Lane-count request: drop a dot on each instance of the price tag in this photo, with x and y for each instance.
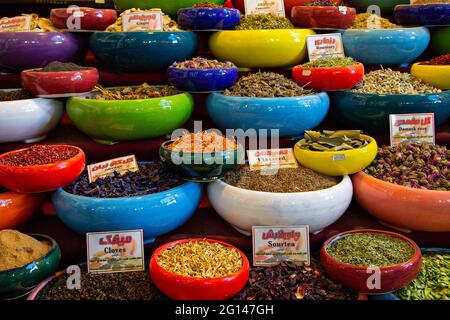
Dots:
(144, 21)
(275, 244)
(107, 168)
(271, 158)
(15, 24)
(264, 7)
(115, 251)
(325, 46)
(407, 128)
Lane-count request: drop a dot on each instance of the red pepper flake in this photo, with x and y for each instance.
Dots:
(39, 155)
(443, 60)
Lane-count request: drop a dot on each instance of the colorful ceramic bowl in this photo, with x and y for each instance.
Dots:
(27, 50)
(124, 51)
(208, 18)
(433, 14)
(329, 79)
(155, 214)
(261, 48)
(370, 112)
(59, 84)
(403, 207)
(323, 16)
(246, 208)
(201, 166)
(386, 6)
(337, 163)
(399, 46)
(109, 121)
(179, 287)
(20, 281)
(82, 18)
(16, 209)
(440, 43)
(357, 277)
(42, 178)
(438, 76)
(202, 79)
(169, 7)
(29, 120)
(291, 116)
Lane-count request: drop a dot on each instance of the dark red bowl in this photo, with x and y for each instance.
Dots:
(329, 79)
(90, 18)
(356, 277)
(42, 178)
(323, 16)
(59, 84)
(186, 288)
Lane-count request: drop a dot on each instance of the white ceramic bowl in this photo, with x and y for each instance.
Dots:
(29, 120)
(246, 208)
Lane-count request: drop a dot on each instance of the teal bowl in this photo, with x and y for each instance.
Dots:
(386, 6)
(440, 40)
(169, 7)
(201, 167)
(20, 281)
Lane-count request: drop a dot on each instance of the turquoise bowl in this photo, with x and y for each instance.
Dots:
(169, 7)
(142, 51)
(20, 281)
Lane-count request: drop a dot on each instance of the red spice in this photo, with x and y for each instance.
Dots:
(443, 60)
(38, 155)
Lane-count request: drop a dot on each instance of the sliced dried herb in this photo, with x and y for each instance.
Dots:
(333, 140)
(14, 95)
(330, 63)
(264, 21)
(144, 91)
(372, 21)
(202, 142)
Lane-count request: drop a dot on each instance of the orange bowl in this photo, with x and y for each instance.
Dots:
(17, 208)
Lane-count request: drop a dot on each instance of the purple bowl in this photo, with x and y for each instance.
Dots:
(437, 14)
(202, 79)
(28, 50)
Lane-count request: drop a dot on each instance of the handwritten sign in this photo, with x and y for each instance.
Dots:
(275, 244)
(15, 24)
(264, 7)
(115, 251)
(144, 21)
(325, 46)
(107, 168)
(405, 128)
(278, 158)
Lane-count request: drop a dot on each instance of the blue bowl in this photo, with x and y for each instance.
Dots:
(202, 79)
(142, 51)
(386, 46)
(370, 112)
(208, 18)
(423, 14)
(291, 116)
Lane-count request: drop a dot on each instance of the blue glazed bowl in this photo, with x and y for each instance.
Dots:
(142, 51)
(202, 79)
(423, 14)
(208, 18)
(291, 115)
(386, 46)
(370, 112)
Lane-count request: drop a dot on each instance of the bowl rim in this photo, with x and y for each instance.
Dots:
(261, 31)
(434, 66)
(36, 72)
(334, 7)
(85, 9)
(245, 262)
(171, 67)
(164, 147)
(399, 29)
(353, 66)
(207, 9)
(372, 142)
(420, 5)
(314, 94)
(102, 33)
(396, 95)
(54, 248)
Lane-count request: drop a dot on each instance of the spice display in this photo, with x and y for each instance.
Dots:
(330, 63)
(168, 24)
(144, 91)
(14, 95)
(285, 180)
(264, 21)
(37, 24)
(266, 85)
(202, 142)
(289, 281)
(202, 63)
(201, 259)
(151, 178)
(206, 5)
(18, 249)
(372, 21)
(433, 281)
(423, 166)
(371, 249)
(387, 81)
(333, 140)
(57, 66)
(443, 60)
(38, 155)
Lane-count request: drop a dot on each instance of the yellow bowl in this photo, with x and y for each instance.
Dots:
(438, 76)
(337, 163)
(261, 48)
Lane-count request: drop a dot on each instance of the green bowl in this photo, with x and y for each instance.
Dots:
(440, 40)
(200, 167)
(386, 6)
(110, 121)
(169, 7)
(18, 282)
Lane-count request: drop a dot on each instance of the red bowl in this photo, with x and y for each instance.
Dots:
(356, 277)
(17, 208)
(328, 79)
(186, 288)
(42, 178)
(60, 83)
(323, 17)
(91, 18)
(288, 4)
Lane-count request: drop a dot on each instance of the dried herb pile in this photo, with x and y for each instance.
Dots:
(443, 60)
(38, 155)
(202, 63)
(14, 95)
(144, 91)
(202, 142)
(372, 21)
(321, 3)
(330, 63)
(264, 21)
(57, 66)
(333, 140)
(206, 5)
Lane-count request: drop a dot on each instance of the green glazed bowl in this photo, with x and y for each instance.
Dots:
(110, 121)
(386, 6)
(169, 7)
(18, 282)
(440, 40)
(200, 167)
